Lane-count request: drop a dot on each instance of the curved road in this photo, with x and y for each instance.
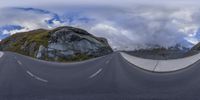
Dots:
(106, 78)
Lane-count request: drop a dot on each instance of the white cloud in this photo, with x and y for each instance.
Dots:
(118, 38)
(29, 19)
(192, 40)
(15, 31)
(125, 28)
(124, 3)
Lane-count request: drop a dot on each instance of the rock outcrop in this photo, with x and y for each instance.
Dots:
(60, 44)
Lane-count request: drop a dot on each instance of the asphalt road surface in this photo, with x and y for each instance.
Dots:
(106, 78)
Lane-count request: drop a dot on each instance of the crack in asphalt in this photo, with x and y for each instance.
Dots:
(154, 69)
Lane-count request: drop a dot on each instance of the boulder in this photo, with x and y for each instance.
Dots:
(41, 52)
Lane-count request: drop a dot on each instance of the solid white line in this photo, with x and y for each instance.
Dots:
(96, 73)
(36, 77)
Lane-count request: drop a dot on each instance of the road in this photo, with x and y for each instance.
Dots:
(109, 77)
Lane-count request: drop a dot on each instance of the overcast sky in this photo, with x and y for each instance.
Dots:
(127, 24)
(11, 3)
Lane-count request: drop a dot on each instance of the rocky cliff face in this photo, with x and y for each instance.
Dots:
(60, 44)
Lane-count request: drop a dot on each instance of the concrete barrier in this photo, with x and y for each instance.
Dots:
(146, 64)
(162, 65)
(176, 64)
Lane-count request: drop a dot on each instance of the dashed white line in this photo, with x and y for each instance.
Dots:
(19, 62)
(36, 77)
(1, 54)
(107, 61)
(96, 73)
(40, 79)
(30, 73)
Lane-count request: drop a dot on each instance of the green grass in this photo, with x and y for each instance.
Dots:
(16, 43)
(40, 37)
(79, 57)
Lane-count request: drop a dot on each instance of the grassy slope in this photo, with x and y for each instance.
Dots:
(15, 42)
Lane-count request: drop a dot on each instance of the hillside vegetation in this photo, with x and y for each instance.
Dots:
(60, 44)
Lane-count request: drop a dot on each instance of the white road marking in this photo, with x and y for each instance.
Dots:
(19, 62)
(36, 77)
(1, 54)
(40, 79)
(30, 73)
(107, 61)
(96, 73)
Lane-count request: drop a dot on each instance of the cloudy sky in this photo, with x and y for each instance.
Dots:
(6, 3)
(127, 25)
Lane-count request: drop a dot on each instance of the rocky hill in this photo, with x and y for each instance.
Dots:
(60, 44)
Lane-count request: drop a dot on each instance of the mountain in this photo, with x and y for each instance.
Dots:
(59, 44)
(196, 47)
(161, 53)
